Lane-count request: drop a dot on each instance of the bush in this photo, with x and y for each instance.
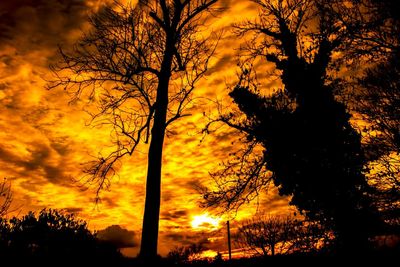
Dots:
(52, 235)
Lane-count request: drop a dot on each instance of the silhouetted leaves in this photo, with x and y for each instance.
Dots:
(186, 254)
(51, 236)
(308, 144)
(378, 100)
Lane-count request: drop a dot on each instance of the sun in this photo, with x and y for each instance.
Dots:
(205, 222)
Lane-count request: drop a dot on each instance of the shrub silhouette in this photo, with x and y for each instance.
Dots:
(185, 254)
(49, 235)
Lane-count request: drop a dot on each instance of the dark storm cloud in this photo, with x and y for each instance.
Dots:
(33, 145)
(118, 236)
(173, 215)
(61, 145)
(39, 162)
(188, 238)
(73, 210)
(225, 60)
(176, 237)
(7, 155)
(40, 22)
(194, 186)
(109, 202)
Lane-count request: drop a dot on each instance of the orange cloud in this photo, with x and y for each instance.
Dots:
(45, 140)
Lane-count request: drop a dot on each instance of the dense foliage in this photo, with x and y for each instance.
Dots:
(51, 236)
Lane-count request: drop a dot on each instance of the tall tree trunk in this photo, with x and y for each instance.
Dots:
(272, 249)
(148, 248)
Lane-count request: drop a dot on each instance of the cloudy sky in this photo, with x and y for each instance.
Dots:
(45, 139)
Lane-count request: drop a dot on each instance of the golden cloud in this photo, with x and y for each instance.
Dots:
(45, 139)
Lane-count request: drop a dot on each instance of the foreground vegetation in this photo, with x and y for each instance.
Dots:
(55, 237)
(50, 237)
(299, 136)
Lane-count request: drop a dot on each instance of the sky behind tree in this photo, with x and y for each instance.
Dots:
(46, 139)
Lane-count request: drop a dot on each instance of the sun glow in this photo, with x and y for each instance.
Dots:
(208, 254)
(205, 222)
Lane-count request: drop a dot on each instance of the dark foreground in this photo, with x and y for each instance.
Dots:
(376, 258)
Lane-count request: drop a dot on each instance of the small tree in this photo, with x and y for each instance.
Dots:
(274, 235)
(50, 235)
(141, 63)
(267, 235)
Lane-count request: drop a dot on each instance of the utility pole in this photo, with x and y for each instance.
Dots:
(229, 240)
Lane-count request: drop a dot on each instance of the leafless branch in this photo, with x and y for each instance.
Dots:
(5, 197)
(118, 66)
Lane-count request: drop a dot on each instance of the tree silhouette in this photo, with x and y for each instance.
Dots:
(142, 63)
(300, 136)
(266, 236)
(52, 235)
(272, 235)
(380, 104)
(378, 100)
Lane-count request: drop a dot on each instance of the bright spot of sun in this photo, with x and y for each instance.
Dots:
(208, 254)
(205, 222)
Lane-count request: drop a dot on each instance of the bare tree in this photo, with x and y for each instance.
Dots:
(272, 235)
(141, 64)
(380, 39)
(5, 197)
(266, 235)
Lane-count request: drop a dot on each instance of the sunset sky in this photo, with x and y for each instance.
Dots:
(45, 139)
